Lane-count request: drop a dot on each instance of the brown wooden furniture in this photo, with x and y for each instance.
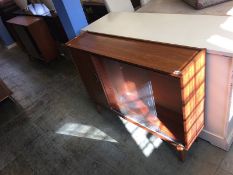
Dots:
(33, 35)
(4, 91)
(159, 87)
(51, 19)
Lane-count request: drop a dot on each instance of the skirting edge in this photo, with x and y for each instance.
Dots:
(216, 140)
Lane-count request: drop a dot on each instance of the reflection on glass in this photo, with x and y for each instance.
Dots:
(39, 9)
(161, 104)
(138, 105)
(131, 93)
(145, 141)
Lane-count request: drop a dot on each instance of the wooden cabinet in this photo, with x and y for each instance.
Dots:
(33, 35)
(51, 19)
(156, 86)
(4, 91)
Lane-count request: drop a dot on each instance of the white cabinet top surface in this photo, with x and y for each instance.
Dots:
(203, 31)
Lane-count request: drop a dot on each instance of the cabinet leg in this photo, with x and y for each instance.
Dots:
(182, 155)
(182, 152)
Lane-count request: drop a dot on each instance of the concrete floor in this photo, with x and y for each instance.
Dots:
(53, 128)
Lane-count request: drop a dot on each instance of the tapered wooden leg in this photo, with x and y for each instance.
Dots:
(182, 155)
(182, 152)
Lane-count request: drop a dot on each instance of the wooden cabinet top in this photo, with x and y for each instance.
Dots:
(160, 57)
(23, 20)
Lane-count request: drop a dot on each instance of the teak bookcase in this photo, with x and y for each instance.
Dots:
(159, 87)
(32, 34)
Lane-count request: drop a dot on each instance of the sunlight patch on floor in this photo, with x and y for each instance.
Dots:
(84, 131)
(146, 142)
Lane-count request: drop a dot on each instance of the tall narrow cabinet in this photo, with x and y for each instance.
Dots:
(33, 35)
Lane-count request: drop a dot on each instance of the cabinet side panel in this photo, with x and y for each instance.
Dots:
(43, 39)
(26, 40)
(193, 94)
(88, 74)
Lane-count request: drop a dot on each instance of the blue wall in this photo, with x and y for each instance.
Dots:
(71, 15)
(4, 35)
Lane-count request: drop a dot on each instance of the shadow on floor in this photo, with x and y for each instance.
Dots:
(9, 109)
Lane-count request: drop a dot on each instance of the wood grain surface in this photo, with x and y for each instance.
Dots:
(160, 57)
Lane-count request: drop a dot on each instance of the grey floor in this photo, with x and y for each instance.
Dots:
(53, 128)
